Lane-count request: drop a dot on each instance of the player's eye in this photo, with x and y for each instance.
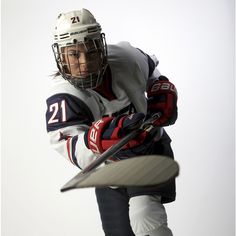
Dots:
(74, 53)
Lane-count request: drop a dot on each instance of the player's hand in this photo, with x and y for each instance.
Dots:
(107, 131)
(162, 97)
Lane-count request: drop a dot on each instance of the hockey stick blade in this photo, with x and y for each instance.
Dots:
(137, 171)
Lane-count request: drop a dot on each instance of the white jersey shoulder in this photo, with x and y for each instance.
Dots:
(130, 70)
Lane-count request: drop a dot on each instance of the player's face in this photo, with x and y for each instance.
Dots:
(82, 59)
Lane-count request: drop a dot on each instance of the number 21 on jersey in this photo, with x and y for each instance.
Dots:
(56, 109)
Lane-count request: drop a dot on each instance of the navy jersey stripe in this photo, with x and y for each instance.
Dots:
(73, 145)
(151, 65)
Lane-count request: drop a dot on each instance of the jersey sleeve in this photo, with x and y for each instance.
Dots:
(67, 118)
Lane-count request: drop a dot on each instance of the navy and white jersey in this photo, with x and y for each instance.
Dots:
(70, 111)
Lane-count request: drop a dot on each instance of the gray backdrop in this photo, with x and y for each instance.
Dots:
(194, 41)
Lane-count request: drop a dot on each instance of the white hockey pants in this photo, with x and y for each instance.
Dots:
(148, 216)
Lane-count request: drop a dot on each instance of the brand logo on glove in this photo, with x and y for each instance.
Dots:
(93, 136)
(163, 86)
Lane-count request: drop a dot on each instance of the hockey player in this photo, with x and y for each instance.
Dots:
(99, 94)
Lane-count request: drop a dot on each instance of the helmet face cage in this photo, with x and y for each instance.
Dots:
(90, 69)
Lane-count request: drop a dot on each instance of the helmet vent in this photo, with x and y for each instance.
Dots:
(93, 29)
(64, 36)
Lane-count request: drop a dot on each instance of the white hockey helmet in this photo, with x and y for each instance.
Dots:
(79, 29)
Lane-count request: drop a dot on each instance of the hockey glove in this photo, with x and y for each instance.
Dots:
(107, 131)
(162, 97)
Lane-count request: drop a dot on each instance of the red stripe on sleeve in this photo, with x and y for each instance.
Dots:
(68, 146)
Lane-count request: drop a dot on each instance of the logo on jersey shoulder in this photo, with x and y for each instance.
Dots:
(64, 136)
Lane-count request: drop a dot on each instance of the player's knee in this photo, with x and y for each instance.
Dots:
(148, 216)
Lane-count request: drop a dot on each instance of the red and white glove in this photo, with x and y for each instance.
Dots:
(162, 97)
(107, 131)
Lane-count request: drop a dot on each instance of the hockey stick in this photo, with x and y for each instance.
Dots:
(148, 170)
(84, 174)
